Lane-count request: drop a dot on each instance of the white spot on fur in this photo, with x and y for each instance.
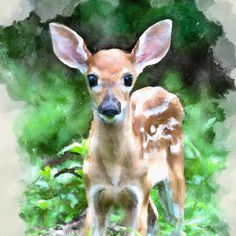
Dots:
(97, 88)
(172, 122)
(124, 70)
(125, 89)
(153, 128)
(145, 144)
(142, 129)
(149, 96)
(175, 148)
(159, 131)
(139, 107)
(156, 110)
(121, 117)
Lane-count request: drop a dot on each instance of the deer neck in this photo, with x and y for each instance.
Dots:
(114, 141)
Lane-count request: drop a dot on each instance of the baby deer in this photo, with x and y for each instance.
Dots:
(135, 142)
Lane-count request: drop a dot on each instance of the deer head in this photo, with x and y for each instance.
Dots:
(111, 73)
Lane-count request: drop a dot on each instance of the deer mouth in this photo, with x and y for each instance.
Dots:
(107, 118)
(109, 115)
(111, 119)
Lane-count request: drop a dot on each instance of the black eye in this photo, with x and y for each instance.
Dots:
(92, 80)
(128, 80)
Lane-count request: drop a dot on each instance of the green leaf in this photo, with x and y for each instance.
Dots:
(43, 204)
(197, 179)
(65, 178)
(210, 123)
(79, 148)
(46, 173)
(73, 199)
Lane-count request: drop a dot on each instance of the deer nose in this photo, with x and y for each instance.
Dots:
(110, 106)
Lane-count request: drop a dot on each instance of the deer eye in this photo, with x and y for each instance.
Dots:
(92, 80)
(128, 80)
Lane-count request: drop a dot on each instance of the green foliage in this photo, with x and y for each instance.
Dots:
(51, 201)
(57, 106)
(79, 148)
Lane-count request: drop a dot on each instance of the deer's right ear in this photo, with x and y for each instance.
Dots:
(69, 47)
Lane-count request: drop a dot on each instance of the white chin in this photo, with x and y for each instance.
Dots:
(113, 119)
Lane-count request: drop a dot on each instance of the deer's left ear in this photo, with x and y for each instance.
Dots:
(152, 46)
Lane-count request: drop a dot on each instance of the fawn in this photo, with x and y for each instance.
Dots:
(135, 142)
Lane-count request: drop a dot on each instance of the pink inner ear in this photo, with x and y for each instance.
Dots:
(66, 45)
(154, 48)
(69, 47)
(152, 45)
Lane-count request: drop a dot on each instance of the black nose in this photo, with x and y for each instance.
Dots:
(110, 111)
(110, 106)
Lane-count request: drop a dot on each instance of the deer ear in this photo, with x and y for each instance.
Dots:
(152, 46)
(69, 47)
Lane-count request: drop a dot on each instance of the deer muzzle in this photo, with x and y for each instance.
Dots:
(110, 106)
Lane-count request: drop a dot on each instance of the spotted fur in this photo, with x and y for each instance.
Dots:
(157, 118)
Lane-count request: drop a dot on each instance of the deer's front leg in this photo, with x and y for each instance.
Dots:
(133, 201)
(98, 208)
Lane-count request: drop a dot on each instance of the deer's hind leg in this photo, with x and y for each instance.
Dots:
(152, 218)
(172, 191)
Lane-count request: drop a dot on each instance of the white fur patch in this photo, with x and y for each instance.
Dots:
(139, 107)
(175, 148)
(159, 132)
(97, 89)
(156, 110)
(153, 128)
(120, 118)
(142, 129)
(124, 88)
(172, 122)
